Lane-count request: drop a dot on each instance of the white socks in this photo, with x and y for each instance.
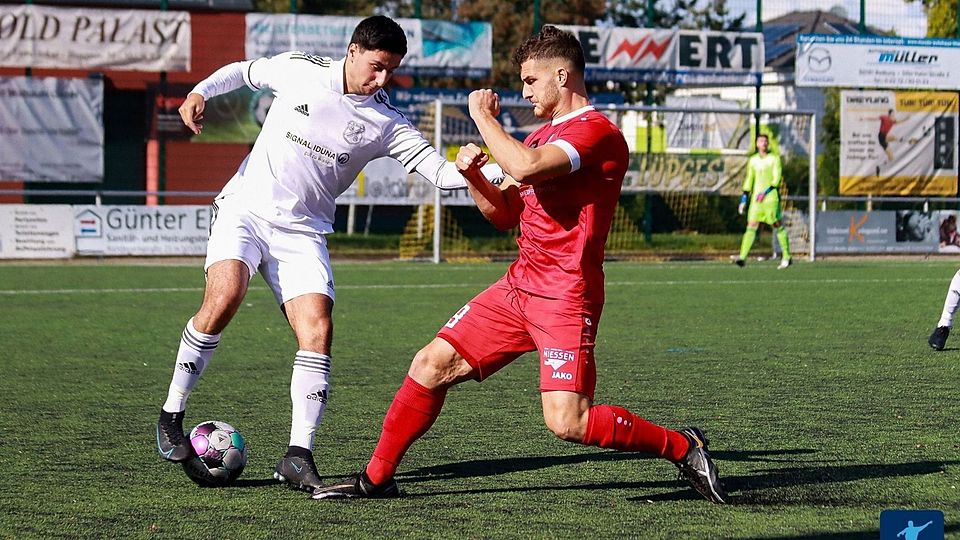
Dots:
(309, 384)
(309, 387)
(196, 349)
(950, 304)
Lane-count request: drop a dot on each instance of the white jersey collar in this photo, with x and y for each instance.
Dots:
(570, 115)
(336, 80)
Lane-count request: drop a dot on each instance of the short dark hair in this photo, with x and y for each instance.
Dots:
(380, 33)
(764, 135)
(551, 42)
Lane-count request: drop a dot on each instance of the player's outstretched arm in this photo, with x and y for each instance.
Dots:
(435, 169)
(526, 165)
(500, 205)
(191, 112)
(221, 81)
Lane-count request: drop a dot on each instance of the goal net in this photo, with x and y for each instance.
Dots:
(679, 197)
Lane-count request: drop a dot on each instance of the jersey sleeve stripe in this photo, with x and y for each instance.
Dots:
(571, 153)
(381, 98)
(247, 76)
(407, 164)
(321, 61)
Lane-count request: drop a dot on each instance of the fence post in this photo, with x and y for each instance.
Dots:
(438, 142)
(812, 189)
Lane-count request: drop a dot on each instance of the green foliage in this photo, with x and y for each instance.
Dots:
(828, 160)
(823, 405)
(942, 19)
(691, 14)
(512, 22)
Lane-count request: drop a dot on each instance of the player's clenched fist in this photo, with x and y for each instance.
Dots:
(191, 112)
(471, 156)
(484, 101)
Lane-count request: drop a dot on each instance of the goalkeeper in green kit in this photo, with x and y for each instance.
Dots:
(761, 192)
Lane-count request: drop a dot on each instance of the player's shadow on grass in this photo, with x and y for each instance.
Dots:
(743, 489)
(491, 467)
(750, 489)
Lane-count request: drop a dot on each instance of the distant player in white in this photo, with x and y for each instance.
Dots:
(329, 118)
(938, 339)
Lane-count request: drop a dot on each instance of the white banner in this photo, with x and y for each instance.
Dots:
(898, 143)
(51, 129)
(877, 61)
(36, 231)
(87, 38)
(385, 182)
(434, 47)
(670, 56)
(141, 230)
(700, 130)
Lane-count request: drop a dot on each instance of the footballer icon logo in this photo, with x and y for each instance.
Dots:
(819, 60)
(354, 132)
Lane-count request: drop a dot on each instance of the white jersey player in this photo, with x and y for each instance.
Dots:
(316, 139)
(938, 339)
(328, 120)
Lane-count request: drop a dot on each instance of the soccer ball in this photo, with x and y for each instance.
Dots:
(221, 454)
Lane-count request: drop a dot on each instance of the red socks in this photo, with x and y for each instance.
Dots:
(609, 426)
(413, 411)
(415, 408)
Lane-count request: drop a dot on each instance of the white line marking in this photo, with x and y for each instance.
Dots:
(647, 283)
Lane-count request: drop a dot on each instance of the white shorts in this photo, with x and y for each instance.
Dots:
(293, 263)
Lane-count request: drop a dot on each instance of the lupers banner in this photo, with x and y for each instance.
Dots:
(898, 143)
(442, 48)
(670, 56)
(877, 61)
(708, 173)
(51, 129)
(87, 38)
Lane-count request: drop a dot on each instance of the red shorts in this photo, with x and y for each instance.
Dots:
(502, 323)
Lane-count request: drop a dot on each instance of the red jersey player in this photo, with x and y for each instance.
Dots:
(565, 184)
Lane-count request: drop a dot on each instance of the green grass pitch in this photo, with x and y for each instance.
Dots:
(822, 400)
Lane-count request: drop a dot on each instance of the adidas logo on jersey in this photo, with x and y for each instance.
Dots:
(302, 109)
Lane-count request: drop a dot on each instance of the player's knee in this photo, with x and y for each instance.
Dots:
(316, 337)
(215, 314)
(434, 369)
(566, 427)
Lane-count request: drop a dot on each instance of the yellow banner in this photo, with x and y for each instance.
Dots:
(940, 186)
(898, 143)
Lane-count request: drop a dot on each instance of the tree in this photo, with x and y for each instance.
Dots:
(687, 14)
(941, 17)
(828, 163)
(512, 22)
